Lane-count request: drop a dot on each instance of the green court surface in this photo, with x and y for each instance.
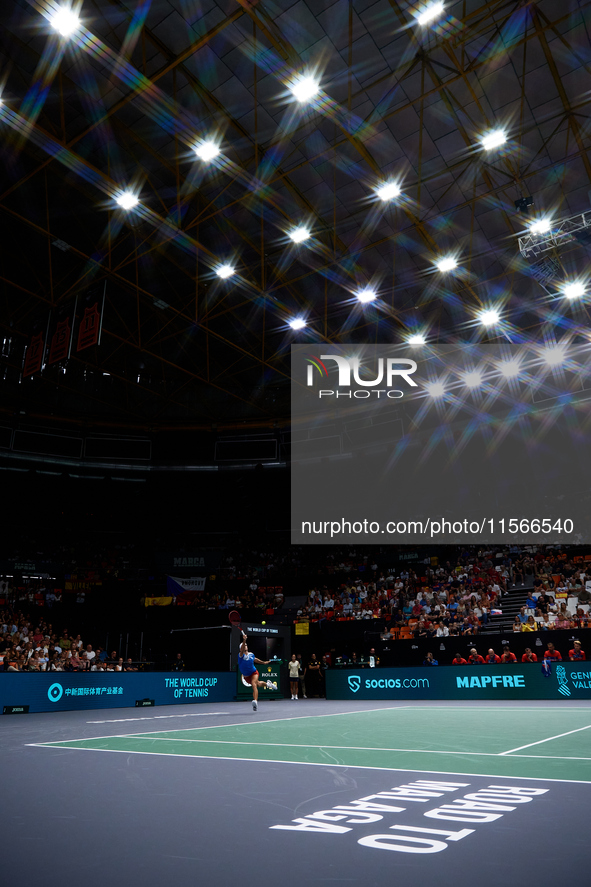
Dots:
(544, 743)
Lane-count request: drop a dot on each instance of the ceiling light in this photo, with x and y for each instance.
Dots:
(417, 339)
(429, 13)
(574, 290)
(473, 379)
(224, 271)
(126, 200)
(388, 191)
(447, 264)
(366, 295)
(493, 139)
(489, 317)
(435, 389)
(509, 368)
(297, 323)
(207, 151)
(304, 88)
(540, 226)
(64, 21)
(298, 235)
(553, 355)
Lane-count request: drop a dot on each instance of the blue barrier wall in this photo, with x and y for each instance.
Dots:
(567, 680)
(69, 692)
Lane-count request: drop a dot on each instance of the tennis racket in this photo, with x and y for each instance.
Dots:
(236, 620)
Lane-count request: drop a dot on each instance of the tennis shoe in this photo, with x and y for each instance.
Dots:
(271, 685)
(255, 705)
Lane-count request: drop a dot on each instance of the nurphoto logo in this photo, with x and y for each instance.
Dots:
(350, 373)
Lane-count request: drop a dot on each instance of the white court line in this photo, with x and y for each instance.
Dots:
(274, 745)
(316, 717)
(549, 739)
(426, 751)
(280, 720)
(160, 754)
(204, 714)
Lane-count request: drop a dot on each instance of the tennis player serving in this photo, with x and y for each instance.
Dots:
(246, 664)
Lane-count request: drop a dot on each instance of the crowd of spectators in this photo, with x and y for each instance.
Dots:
(421, 601)
(35, 647)
(457, 598)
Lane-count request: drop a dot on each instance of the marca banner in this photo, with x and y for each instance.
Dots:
(420, 445)
(565, 680)
(66, 692)
(176, 563)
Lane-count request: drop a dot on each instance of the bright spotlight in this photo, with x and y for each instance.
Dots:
(297, 323)
(446, 264)
(509, 368)
(540, 226)
(553, 355)
(489, 318)
(388, 191)
(429, 13)
(64, 21)
(574, 290)
(304, 88)
(493, 139)
(435, 389)
(224, 271)
(473, 379)
(298, 235)
(366, 295)
(206, 151)
(417, 339)
(126, 200)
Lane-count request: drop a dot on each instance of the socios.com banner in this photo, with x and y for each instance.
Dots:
(418, 444)
(68, 692)
(565, 681)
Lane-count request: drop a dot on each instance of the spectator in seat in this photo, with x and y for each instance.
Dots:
(528, 656)
(577, 653)
(459, 660)
(491, 657)
(178, 664)
(530, 625)
(429, 660)
(552, 653)
(508, 656)
(128, 666)
(475, 658)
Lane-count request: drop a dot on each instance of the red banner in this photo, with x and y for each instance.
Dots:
(59, 341)
(34, 354)
(90, 320)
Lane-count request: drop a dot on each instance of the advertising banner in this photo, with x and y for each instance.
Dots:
(565, 680)
(61, 691)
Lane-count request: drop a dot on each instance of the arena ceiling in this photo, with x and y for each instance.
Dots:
(124, 102)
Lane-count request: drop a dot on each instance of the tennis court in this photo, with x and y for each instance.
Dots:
(502, 741)
(307, 792)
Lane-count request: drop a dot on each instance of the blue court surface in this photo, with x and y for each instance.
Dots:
(301, 792)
